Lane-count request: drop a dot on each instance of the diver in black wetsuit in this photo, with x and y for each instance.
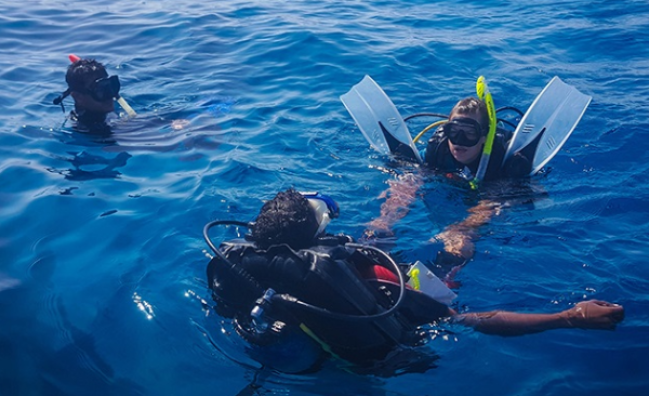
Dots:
(298, 295)
(93, 92)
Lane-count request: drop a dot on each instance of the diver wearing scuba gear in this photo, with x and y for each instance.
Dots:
(292, 296)
(277, 281)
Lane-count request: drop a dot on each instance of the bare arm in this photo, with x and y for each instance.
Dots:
(458, 237)
(400, 195)
(591, 314)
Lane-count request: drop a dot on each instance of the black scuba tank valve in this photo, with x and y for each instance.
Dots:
(258, 313)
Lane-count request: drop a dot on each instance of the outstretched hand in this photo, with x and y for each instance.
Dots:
(594, 314)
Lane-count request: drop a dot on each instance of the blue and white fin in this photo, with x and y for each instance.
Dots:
(551, 118)
(379, 120)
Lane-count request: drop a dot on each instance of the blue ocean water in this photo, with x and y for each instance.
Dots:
(102, 264)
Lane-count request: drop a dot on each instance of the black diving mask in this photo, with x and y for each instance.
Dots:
(463, 131)
(103, 89)
(324, 207)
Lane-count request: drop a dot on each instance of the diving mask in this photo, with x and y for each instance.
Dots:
(324, 207)
(103, 89)
(463, 131)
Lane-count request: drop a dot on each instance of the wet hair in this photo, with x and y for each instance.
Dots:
(472, 107)
(288, 218)
(82, 72)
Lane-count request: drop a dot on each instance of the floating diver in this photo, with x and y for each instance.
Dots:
(471, 143)
(465, 139)
(93, 91)
(299, 295)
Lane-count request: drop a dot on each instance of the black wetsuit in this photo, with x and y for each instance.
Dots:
(89, 121)
(438, 156)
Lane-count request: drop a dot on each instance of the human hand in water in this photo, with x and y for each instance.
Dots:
(594, 314)
(458, 238)
(377, 229)
(483, 212)
(457, 243)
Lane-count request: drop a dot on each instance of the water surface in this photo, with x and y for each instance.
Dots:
(102, 270)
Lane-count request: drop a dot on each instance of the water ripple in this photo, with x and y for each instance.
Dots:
(239, 99)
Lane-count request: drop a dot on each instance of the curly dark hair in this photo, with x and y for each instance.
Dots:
(288, 218)
(473, 106)
(82, 72)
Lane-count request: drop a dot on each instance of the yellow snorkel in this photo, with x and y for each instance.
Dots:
(129, 110)
(483, 94)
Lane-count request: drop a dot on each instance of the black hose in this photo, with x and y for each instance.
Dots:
(438, 115)
(510, 108)
(402, 292)
(287, 298)
(211, 224)
(511, 124)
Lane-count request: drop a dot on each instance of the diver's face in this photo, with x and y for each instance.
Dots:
(87, 102)
(464, 130)
(466, 155)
